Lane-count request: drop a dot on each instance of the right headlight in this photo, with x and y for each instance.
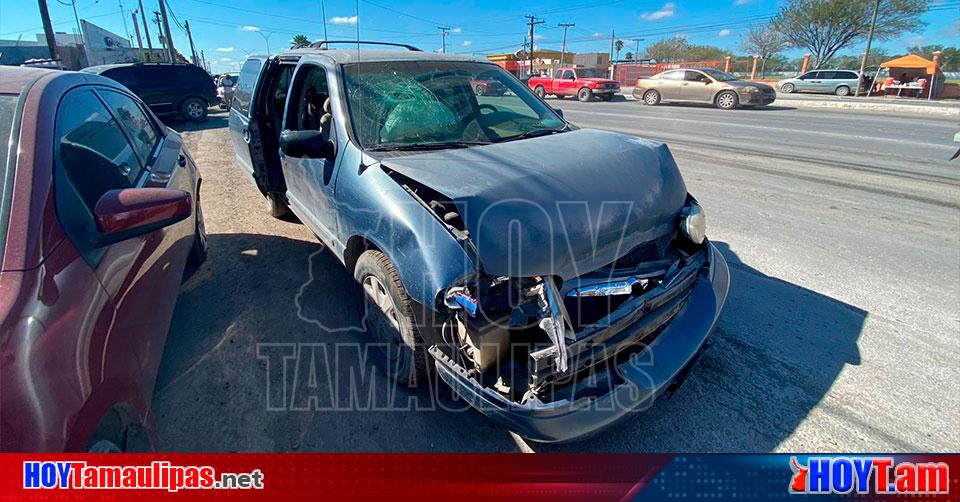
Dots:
(693, 223)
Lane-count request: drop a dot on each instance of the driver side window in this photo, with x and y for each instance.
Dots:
(568, 75)
(312, 109)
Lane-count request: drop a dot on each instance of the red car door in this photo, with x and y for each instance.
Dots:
(567, 84)
(107, 141)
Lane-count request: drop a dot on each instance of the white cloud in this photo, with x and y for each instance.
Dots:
(344, 20)
(724, 33)
(668, 10)
(249, 28)
(598, 35)
(456, 30)
(225, 49)
(467, 43)
(741, 2)
(537, 37)
(226, 60)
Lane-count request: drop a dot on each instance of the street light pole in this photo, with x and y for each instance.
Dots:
(266, 39)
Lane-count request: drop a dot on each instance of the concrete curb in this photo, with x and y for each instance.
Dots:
(948, 110)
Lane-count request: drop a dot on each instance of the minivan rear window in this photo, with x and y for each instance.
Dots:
(243, 90)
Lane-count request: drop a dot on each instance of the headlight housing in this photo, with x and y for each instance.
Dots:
(749, 90)
(693, 223)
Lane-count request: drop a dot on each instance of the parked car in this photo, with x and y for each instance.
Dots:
(584, 83)
(519, 255)
(225, 85)
(703, 85)
(169, 89)
(839, 82)
(99, 216)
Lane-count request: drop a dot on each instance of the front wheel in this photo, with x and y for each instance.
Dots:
(842, 91)
(540, 92)
(651, 98)
(388, 317)
(727, 100)
(194, 109)
(585, 94)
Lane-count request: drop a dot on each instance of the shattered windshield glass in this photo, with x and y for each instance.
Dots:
(406, 104)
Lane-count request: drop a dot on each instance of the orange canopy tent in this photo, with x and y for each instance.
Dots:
(913, 62)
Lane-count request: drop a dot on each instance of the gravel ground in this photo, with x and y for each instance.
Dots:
(842, 230)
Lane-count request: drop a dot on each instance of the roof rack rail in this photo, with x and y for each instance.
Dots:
(322, 43)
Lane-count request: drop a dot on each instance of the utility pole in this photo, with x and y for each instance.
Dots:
(146, 31)
(563, 46)
(123, 16)
(77, 19)
(443, 38)
(636, 53)
(193, 50)
(166, 31)
(48, 29)
(613, 36)
(866, 54)
(203, 60)
(136, 29)
(161, 38)
(532, 21)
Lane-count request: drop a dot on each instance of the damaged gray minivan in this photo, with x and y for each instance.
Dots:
(556, 278)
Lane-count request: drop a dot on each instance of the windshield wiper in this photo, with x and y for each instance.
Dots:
(425, 146)
(535, 133)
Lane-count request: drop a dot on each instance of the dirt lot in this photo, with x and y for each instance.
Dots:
(816, 351)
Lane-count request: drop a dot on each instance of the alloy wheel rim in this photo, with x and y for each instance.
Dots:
(726, 101)
(194, 109)
(651, 98)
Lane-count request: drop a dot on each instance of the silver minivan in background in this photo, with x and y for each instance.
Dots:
(839, 82)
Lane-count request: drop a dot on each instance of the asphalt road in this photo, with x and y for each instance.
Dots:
(842, 230)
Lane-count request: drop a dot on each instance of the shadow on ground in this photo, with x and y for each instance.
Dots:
(778, 349)
(215, 119)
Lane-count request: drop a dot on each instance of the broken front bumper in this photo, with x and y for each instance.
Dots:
(661, 365)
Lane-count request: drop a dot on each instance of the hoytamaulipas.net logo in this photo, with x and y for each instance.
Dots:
(159, 475)
(876, 475)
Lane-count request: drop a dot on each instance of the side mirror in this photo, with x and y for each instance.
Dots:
(559, 112)
(309, 144)
(126, 213)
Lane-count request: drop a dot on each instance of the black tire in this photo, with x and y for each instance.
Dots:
(842, 91)
(404, 358)
(540, 92)
(200, 249)
(727, 100)
(276, 206)
(193, 109)
(787, 88)
(478, 90)
(651, 98)
(584, 94)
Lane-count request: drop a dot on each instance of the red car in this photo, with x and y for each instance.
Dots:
(488, 87)
(584, 83)
(99, 215)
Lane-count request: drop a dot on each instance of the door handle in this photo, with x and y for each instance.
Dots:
(246, 135)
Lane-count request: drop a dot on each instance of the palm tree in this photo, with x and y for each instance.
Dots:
(618, 46)
(300, 40)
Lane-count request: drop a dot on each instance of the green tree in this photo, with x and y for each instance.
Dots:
(824, 27)
(628, 56)
(668, 50)
(618, 46)
(949, 59)
(300, 40)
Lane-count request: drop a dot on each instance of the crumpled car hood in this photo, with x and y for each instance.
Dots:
(564, 204)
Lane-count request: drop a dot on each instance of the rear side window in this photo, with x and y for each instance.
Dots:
(672, 75)
(92, 148)
(139, 128)
(243, 90)
(127, 76)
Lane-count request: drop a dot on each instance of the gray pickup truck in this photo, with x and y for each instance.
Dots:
(556, 278)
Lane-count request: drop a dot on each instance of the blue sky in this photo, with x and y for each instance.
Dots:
(228, 29)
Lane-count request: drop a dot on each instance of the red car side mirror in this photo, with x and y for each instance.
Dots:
(126, 213)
